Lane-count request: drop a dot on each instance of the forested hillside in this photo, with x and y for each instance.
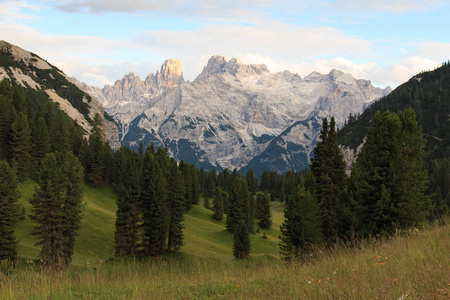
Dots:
(428, 93)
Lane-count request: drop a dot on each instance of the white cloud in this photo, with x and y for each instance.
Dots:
(387, 6)
(411, 66)
(207, 8)
(436, 50)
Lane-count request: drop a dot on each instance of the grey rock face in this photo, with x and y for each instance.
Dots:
(234, 114)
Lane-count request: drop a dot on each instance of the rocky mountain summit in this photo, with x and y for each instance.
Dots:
(233, 114)
(131, 95)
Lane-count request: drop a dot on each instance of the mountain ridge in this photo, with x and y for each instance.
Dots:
(32, 72)
(231, 112)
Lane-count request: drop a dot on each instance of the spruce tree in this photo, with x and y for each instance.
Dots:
(155, 213)
(59, 131)
(211, 184)
(40, 139)
(195, 185)
(72, 206)
(188, 184)
(7, 117)
(241, 241)
(263, 213)
(9, 211)
(127, 186)
(218, 205)
(57, 207)
(252, 182)
(237, 204)
(390, 177)
(21, 145)
(175, 202)
(328, 168)
(96, 163)
(301, 228)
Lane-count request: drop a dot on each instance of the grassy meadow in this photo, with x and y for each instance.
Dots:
(413, 266)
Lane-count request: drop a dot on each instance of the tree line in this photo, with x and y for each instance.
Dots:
(385, 193)
(387, 190)
(39, 141)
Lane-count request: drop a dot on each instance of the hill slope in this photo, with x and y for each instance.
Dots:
(44, 82)
(428, 93)
(203, 236)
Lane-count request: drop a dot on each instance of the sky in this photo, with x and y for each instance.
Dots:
(99, 41)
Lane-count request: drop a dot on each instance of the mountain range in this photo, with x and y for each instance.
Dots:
(232, 115)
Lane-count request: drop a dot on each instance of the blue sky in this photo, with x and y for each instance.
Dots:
(99, 41)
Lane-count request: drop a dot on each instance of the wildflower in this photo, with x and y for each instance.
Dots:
(311, 254)
(309, 282)
(234, 278)
(320, 251)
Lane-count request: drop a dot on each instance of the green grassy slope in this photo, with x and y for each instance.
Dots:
(203, 236)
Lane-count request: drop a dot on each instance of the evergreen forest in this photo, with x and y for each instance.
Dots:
(399, 182)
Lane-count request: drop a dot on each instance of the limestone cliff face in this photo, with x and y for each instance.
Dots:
(233, 114)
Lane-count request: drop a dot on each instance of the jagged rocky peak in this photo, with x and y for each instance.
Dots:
(218, 65)
(127, 82)
(170, 74)
(171, 67)
(339, 76)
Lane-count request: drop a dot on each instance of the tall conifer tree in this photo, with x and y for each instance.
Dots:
(175, 202)
(21, 145)
(301, 228)
(154, 207)
(127, 186)
(328, 168)
(390, 177)
(57, 207)
(241, 241)
(9, 211)
(218, 204)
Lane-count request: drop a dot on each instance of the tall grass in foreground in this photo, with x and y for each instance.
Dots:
(415, 266)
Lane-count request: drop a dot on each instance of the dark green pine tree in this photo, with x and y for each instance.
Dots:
(301, 228)
(195, 185)
(127, 184)
(241, 241)
(175, 203)
(48, 215)
(40, 140)
(211, 183)
(155, 213)
(237, 204)
(7, 116)
(389, 175)
(57, 207)
(263, 213)
(218, 205)
(21, 146)
(96, 163)
(252, 182)
(188, 184)
(9, 211)
(59, 131)
(251, 210)
(328, 169)
(72, 198)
